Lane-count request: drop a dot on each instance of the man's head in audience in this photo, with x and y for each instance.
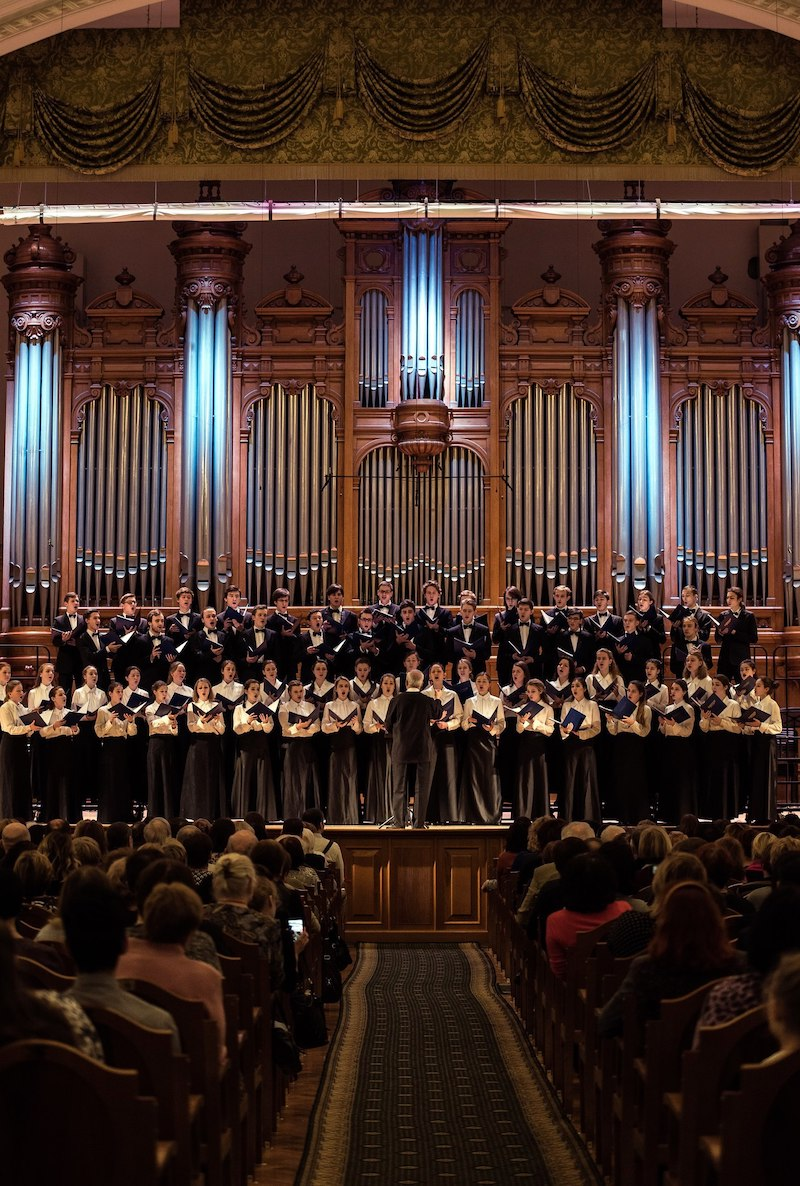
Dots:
(197, 846)
(243, 841)
(292, 827)
(314, 819)
(157, 830)
(160, 872)
(221, 832)
(118, 835)
(579, 829)
(95, 920)
(13, 834)
(611, 832)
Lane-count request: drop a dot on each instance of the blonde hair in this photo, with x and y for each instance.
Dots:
(678, 866)
(654, 844)
(234, 876)
(762, 845)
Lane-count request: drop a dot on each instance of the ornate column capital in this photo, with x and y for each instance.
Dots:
(40, 284)
(634, 256)
(782, 282)
(210, 259)
(36, 326)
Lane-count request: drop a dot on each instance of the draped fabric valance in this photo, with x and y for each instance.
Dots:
(256, 117)
(250, 118)
(741, 142)
(420, 109)
(97, 140)
(586, 121)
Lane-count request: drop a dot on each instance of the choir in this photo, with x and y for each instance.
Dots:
(204, 714)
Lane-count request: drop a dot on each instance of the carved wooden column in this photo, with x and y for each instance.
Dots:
(783, 288)
(209, 258)
(635, 262)
(41, 289)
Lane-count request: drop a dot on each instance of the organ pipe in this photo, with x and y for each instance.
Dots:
(721, 510)
(121, 500)
(291, 519)
(417, 527)
(638, 511)
(422, 326)
(551, 520)
(373, 371)
(470, 376)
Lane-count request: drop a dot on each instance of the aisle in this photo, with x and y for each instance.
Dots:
(430, 1079)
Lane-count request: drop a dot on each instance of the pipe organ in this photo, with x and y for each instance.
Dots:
(291, 497)
(429, 432)
(121, 509)
(415, 527)
(551, 462)
(721, 495)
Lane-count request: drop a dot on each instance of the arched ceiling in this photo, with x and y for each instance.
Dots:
(24, 21)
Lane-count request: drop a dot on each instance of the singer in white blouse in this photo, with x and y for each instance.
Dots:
(444, 805)
(299, 721)
(480, 785)
(15, 772)
(342, 722)
(378, 801)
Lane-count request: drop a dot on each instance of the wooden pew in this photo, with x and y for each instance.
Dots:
(66, 1118)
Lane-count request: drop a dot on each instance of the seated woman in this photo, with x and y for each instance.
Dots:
(689, 948)
(172, 913)
(631, 933)
(775, 931)
(299, 876)
(589, 889)
(234, 884)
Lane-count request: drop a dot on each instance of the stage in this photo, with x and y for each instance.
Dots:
(417, 884)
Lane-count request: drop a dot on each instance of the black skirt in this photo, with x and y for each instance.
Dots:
(300, 777)
(581, 791)
(630, 777)
(203, 791)
(59, 795)
(343, 779)
(15, 777)
(678, 792)
(719, 793)
(444, 805)
(253, 789)
(480, 786)
(532, 783)
(162, 786)
(115, 800)
(378, 801)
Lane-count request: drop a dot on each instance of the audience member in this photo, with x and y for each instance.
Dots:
(95, 919)
(590, 890)
(172, 914)
(632, 932)
(234, 884)
(200, 946)
(156, 830)
(688, 949)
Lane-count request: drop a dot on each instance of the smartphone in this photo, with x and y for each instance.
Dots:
(296, 927)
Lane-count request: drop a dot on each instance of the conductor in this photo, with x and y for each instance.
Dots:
(408, 726)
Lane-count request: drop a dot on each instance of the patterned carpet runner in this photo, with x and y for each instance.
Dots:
(430, 1079)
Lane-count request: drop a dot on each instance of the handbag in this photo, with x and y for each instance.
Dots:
(331, 980)
(310, 1029)
(335, 946)
(285, 1050)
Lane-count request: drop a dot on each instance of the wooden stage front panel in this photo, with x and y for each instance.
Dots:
(406, 885)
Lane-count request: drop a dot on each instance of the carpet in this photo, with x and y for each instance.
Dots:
(430, 1079)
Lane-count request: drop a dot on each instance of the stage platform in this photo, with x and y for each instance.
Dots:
(417, 884)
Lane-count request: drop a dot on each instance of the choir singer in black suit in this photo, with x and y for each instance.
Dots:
(408, 727)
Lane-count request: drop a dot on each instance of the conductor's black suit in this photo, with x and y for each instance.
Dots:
(408, 725)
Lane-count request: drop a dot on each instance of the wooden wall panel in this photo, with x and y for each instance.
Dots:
(365, 873)
(459, 902)
(417, 884)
